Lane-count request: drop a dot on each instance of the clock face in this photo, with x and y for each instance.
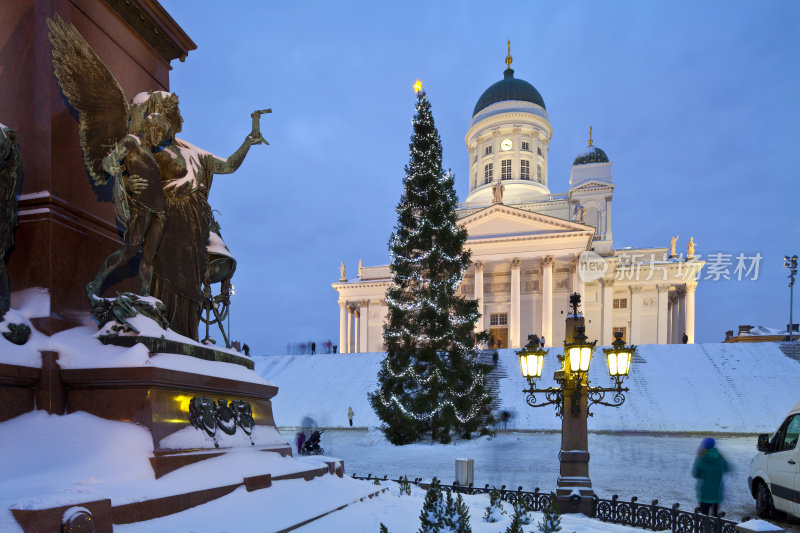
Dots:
(505, 145)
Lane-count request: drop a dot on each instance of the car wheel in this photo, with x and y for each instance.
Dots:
(764, 506)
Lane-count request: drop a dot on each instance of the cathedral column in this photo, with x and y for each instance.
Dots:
(673, 300)
(347, 347)
(363, 330)
(606, 327)
(547, 299)
(577, 282)
(662, 314)
(690, 288)
(681, 314)
(635, 336)
(356, 329)
(342, 326)
(480, 325)
(513, 326)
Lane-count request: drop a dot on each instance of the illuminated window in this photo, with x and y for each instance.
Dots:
(505, 169)
(620, 303)
(524, 170)
(498, 319)
(487, 173)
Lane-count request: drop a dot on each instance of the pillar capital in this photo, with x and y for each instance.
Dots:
(548, 260)
(363, 303)
(673, 297)
(681, 292)
(516, 262)
(342, 304)
(691, 286)
(607, 282)
(662, 287)
(636, 289)
(479, 265)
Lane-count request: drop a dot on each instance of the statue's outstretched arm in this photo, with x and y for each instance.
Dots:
(229, 165)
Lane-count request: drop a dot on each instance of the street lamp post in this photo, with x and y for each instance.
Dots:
(791, 264)
(572, 398)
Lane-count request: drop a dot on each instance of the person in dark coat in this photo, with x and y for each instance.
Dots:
(708, 469)
(300, 438)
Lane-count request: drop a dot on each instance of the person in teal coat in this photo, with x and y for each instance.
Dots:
(708, 469)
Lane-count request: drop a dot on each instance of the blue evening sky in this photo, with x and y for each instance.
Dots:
(697, 105)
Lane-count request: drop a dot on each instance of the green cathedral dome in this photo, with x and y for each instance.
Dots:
(509, 88)
(590, 154)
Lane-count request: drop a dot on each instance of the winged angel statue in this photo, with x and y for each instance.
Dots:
(161, 184)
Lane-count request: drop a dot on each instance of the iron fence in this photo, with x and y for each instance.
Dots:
(628, 513)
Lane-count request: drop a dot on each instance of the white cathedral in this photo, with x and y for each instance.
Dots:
(531, 248)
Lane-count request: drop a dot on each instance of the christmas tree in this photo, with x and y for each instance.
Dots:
(430, 380)
(551, 522)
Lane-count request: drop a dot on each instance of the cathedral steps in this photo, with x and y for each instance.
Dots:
(496, 373)
(791, 350)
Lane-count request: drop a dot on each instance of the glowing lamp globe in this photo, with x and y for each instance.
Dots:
(531, 363)
(619, 356)
(578, 354)
(531, 359)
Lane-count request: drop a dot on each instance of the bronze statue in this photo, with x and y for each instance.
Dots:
(139, 200)
(10, 172)
(185, 171)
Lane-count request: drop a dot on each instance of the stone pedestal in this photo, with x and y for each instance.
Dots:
(67, 225)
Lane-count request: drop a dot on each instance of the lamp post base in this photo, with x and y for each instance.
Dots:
(575, 499)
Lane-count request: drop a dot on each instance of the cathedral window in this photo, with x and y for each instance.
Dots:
(620, 303)
(526, 145)
(488, 150)
(505, 169)
(524, 170)
(487, 173)
(539, 173)
(498, 319)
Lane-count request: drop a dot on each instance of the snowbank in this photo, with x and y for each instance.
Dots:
(735, 388)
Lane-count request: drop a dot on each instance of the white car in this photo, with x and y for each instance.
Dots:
(775, 472)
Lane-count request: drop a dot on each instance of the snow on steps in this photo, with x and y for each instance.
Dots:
(792, 350)
(714, 387)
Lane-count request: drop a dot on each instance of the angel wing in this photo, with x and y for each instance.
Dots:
(92, 90)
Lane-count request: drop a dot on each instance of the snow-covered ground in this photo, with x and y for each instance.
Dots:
(673, 388)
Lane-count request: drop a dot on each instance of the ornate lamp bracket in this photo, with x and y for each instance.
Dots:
(596, 395)
(554, 396)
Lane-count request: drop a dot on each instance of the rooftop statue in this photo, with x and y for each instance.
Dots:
(179, 237)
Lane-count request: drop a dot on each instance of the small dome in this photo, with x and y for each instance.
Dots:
(590, 154)
(509, 88)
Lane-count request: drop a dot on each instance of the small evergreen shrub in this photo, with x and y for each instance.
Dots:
(494, 512)
(551, 522)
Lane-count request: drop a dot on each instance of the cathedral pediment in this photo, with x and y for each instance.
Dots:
(593, 185)
(501, 221)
